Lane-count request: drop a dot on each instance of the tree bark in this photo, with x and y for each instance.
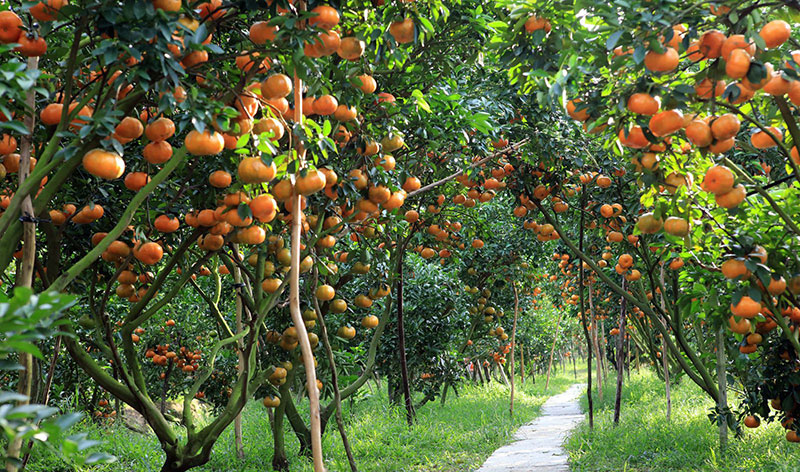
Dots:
(581, 289)
(294, 296)
(25, 274)
(665, 352)
(722, 381)
(337, 398)
(553, 350)
(513, 342)
(620, 355)
(237, 422)
(596, 347)
(401, 343)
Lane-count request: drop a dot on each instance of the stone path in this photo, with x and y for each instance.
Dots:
(537, 445)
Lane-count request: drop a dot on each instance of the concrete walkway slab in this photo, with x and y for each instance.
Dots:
(538, 445)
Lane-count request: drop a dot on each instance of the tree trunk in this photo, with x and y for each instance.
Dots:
(25, 274)
(522, 365)
(665, 352)
(237, 422)
(552, 351)
(337, 398)
(722, 381)
(603, 349)
(513, 341)
(596, 348)
(620, 354)
(401, 343)
(294, 295)
(581, 289)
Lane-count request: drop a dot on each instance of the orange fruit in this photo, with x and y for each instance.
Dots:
(643, 104)
(737, 64)
(734, 42)
(699, 133)
(718, 180)
(666, 122)
(775, 33)
(725, 126)
(733, 198)
(207, 143)
(662, 62)
(746, 308)
(762, 140)
(710, 44)
(104, 164)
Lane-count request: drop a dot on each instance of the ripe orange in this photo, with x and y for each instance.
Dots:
(662, 62)
(160, 129)
(666, 122)
(762, 140)
(325, 292)
(166, 224)
(206, 143)
(325, 105)
(739, 325)
(261, 32)
(219, 179)
(737, 64)
(31, 45)
(734, 268)
(276, 86)
(710, 44)
(136, 180)
(149, 253)
(777, 84)
(704, 88)
(47, 10)
(313, 181)
(676, 226)
(253, 170)
(746, 308)
(10, 27)
(157, 152)
(634, 138)
(402, 31)
(579, 115)
(130, 128)
(775, 33)
(725, 126)
(733, 198)
(719, 147)
(718, 180)
(699, 133)
(734, 42)
(643, 104)
(351, 48)
(104, 164)
(167, 5)
(326, 17)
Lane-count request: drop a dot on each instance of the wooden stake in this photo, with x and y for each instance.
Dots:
(294, 293)
(25, 275)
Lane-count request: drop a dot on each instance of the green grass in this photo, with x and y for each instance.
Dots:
(645, 441)
(456, 437)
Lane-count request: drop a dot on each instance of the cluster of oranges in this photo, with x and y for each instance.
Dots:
(184, 359)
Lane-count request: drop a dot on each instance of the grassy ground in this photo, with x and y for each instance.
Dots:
(644, 441)
(456, 437)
